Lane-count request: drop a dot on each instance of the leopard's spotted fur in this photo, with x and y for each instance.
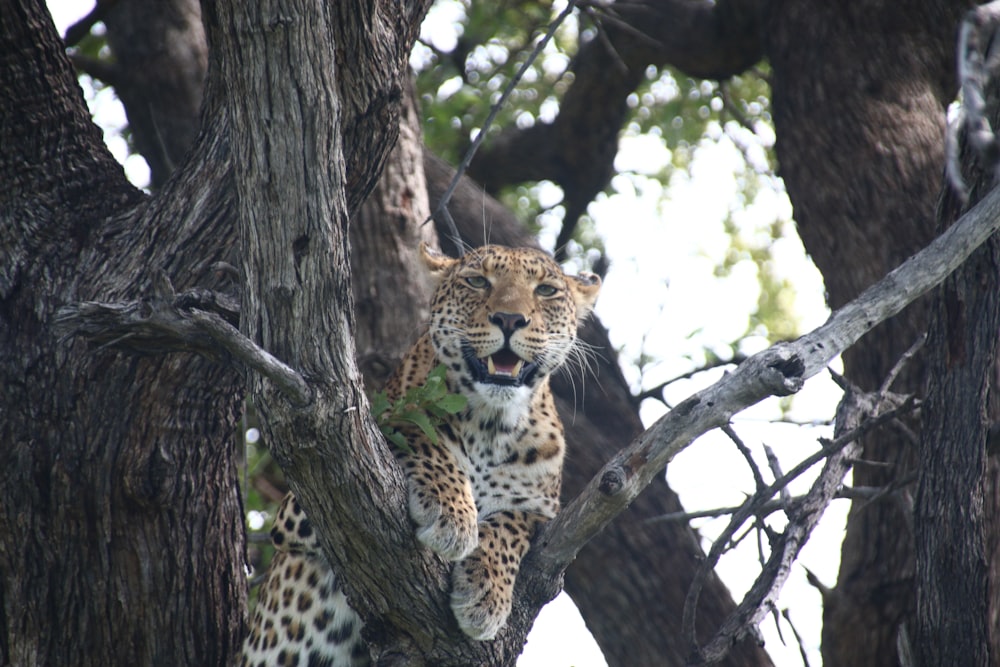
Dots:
(502, 320)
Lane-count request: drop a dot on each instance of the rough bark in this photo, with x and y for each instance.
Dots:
(952, 580)
(119, 513)
(953, 506)
(391, 290)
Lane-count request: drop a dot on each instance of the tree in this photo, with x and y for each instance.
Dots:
(159, 481)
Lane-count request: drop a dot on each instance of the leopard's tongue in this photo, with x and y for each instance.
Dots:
(504, 362)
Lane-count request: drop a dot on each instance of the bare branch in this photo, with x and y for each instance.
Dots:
(798, 638)
(890, 379)
(978, 57)
(780, 370)
(763, 509)
(745, 451)
(657, 391)
(193, 321)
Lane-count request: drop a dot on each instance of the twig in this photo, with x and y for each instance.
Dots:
(442, 207)
(769, 507)
(657, 391)
(890, 379)
(729, 105)
(775, 466)
(758, 479)
(798, 638)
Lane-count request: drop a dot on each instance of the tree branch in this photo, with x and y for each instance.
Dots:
(197, 321)
(704, 39)
(779, 370)
(802, 515)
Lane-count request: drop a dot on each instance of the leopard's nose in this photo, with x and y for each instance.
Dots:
(509, 322)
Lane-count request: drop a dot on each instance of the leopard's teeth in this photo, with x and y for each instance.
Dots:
(491, 368)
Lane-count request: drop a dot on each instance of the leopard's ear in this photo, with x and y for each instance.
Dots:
(437, 263)
(584, 288)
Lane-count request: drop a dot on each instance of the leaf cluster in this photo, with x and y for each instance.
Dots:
(425, 407)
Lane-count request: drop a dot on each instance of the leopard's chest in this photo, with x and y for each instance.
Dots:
(513, 466)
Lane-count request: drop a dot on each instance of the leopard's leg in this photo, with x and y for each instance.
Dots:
(483, 584)
(440, 499)
(302, 615)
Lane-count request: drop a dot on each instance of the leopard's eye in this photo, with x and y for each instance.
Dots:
(478, 282)
(546, 290)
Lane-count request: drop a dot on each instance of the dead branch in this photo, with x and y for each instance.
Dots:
(657, 391)
(197, 321)
(745, 452)
(978, 58)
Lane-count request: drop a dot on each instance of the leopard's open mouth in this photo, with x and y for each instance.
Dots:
(503, 367)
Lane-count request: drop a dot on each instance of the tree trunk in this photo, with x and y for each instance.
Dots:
(952, 569)
(160, 58)
(954, 505)
(119, 507)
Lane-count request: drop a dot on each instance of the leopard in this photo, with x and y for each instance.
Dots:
(502, 321)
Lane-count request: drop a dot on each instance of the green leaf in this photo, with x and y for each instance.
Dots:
(422, 421)
(380, 404)
(398, 439)
(453, 403)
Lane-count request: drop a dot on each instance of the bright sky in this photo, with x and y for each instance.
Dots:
(663, 299)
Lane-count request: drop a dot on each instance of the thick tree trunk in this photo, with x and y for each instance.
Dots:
(952, 567)
(955, 505)
(119, 513)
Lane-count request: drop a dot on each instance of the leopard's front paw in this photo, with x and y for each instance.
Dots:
(451, 532)
(481, 604)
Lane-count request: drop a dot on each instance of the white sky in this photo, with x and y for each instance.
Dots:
(661, 297)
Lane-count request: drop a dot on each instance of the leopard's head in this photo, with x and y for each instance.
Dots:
(502, 319)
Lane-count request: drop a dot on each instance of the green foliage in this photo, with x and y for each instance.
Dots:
(774, 317)
(425, 407)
